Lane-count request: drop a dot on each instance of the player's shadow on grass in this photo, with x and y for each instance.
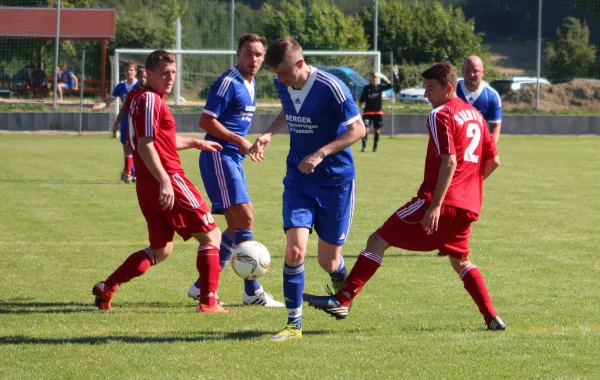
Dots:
(40, 307)
(170, 337)
(61, 181)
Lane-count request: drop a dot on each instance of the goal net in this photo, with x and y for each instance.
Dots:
(199, 69)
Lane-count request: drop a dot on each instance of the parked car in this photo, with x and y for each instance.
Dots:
(353, 80)
(504, 86)
(413, 95)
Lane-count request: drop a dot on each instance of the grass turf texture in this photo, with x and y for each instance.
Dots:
(67, 223)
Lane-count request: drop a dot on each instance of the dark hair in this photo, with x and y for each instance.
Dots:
(140, 70)
(156, 57)
(281, 50)
(251, 37)
(443, 72)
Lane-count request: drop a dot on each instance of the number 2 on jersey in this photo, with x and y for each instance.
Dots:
(473, 132)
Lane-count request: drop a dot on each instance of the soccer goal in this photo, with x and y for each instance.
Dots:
(198, 69)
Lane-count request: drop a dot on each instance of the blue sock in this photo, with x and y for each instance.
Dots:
(293, 286)
(339, 274)
(226, 249)
(242, 235)
(225, 252)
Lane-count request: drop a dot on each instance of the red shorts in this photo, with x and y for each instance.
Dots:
(403, 229)
(189, 214)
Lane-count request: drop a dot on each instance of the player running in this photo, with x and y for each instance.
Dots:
(169, 201)
(121, 90)
(323, 122)
(461, 154)
(226, 118)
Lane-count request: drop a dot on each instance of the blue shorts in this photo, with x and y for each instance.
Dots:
(328, 209)
(123, 132)
(224, 180)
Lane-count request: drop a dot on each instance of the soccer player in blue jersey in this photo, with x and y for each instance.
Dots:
(121, 90)
(480, 95)
(226, 119)
(323, 122)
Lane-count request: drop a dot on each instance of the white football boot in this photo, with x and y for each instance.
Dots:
(261, 298)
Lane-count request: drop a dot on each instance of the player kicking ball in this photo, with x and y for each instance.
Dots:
(461, 154)
(169, 201)
(319, 183)
(226, 118)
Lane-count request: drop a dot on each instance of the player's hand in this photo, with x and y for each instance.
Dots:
(96, 107)
(310, 162)
(209, 146)
(245, 146)
(167, 196)
(259, 146)
(431, 219)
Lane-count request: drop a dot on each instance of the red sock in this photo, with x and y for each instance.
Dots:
(475, 285)
(136, 265)
(364, 268)
(209, 268)
(128, 164)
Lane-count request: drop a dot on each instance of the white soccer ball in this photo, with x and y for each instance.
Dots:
(250, 260)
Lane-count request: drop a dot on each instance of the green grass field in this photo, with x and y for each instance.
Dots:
(67, 223)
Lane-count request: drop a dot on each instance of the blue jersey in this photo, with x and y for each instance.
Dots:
(232, 102)
(316, 115)
(486, 100)
(122, 89)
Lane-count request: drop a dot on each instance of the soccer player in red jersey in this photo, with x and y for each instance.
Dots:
(461, 154)
(169, 201)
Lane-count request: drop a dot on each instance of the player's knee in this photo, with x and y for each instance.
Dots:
(161, 254)
(294, 255)
(212, 237)
(376, 244)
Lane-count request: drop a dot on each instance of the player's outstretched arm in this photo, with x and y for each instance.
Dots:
(490, 165)
(149, 155)
(355, 132)
(432, 215)
(107, 102)
(183, 143)
(214, 127)
(261, 143)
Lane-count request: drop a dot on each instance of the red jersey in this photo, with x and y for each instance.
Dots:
(126, 106)
(458, 128)
(151, 117)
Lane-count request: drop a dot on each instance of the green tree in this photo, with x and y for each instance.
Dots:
(571, 55)
(318, 26)
(423, 32)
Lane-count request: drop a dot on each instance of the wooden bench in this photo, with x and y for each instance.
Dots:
(91, 86)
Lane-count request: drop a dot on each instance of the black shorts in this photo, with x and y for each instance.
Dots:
(375, 121)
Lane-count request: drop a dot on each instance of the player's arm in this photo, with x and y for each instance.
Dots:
(495, 129)
(120, 116)
(183, 143)
(214, 127)
(489, 154)
(494, 117)
(105, 103)
(432, 215)
(356, 131)
(363, 97)
(149, 155)
(261, 143)
(490, 165)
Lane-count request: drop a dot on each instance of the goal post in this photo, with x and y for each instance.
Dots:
(200, 68)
